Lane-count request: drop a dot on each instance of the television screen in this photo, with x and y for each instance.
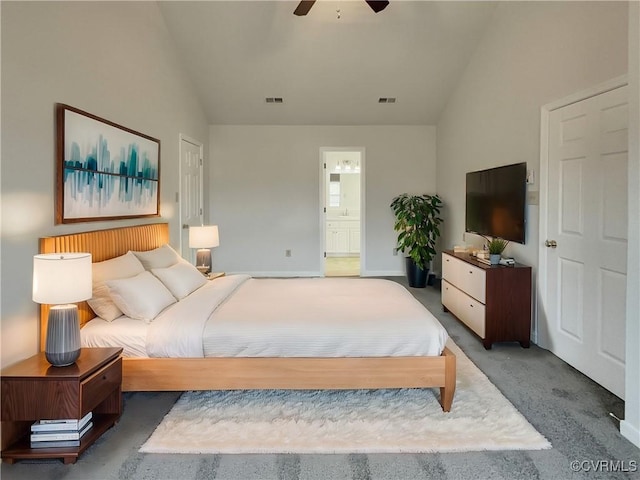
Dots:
(495, 202)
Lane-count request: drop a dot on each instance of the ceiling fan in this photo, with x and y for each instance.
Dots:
(305, 5)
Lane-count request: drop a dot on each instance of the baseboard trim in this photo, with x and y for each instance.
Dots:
(285, 274)
(290, 274)
(630, 432)
(383, 273)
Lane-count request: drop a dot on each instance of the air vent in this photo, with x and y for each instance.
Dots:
(387, 100)
(273, 99)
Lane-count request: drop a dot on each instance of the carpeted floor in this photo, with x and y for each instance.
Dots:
(570, 410)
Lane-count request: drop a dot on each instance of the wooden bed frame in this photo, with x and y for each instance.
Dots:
(181, 374)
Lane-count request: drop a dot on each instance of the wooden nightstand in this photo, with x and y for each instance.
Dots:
(34, 390)
(214, 275)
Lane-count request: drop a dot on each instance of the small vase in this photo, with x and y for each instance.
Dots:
(494, 258)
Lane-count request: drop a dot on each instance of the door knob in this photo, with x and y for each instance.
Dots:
(550, 243)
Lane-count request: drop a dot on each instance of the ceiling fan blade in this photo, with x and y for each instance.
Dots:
(303, 7)
(377, 6)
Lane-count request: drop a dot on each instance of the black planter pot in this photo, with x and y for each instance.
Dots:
(416, 276)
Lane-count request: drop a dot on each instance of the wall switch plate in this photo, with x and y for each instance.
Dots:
(287, 253)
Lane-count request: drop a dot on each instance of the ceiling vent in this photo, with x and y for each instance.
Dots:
(387, 100)
(273, 99)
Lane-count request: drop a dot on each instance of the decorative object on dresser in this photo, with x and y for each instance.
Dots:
(33, 391)
(496, 246)
(204, 238)
(104, 171)
(493, 301)
(417, 223)
(62, 278)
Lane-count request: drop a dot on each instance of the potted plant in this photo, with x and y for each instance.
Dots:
(417, 222)
(496, 246)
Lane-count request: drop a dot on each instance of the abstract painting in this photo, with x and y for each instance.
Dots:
(104, 171)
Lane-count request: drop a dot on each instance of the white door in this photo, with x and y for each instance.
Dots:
(191, 197)
(586, 230)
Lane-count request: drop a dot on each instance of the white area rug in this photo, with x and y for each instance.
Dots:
(351, 421)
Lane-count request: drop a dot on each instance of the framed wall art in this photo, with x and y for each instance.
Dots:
(104, 171)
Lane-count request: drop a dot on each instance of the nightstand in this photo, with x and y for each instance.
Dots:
(34, 390)
(214, 275)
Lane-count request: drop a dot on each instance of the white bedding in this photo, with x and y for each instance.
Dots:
(239, 316)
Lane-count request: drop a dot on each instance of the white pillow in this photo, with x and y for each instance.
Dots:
(124, 266)
(181, 279)
(161, 257)
(141, 297)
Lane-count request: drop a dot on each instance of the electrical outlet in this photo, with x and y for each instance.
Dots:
(531, 177)
(287, 253)
(395, 252)
(533, 197)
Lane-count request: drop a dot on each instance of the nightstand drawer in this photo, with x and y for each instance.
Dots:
(98, 386)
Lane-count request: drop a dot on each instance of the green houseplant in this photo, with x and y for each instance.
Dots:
(496, 246)
(417, 223)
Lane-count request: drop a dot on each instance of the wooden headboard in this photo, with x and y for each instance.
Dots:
(102, 245)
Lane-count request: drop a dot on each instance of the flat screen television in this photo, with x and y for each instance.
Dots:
(495, 202)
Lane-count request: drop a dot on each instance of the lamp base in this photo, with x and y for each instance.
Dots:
(62, 347)
(203, 260)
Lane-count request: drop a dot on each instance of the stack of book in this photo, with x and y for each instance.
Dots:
(60, 433)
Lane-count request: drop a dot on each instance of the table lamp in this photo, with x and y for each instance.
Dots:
(60, 279)
(203, 238)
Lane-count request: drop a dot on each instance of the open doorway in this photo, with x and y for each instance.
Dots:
(343, 174)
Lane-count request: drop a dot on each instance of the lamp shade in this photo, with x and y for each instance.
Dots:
(60, 278)
(205, 236)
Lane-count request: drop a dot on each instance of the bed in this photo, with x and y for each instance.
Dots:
(248, 365)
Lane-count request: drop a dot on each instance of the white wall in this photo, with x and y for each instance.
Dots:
(630, 426)
(265, 192)
(554, 49)
(115, 60)
(493, 118)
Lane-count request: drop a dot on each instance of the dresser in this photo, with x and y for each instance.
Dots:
(493, 301)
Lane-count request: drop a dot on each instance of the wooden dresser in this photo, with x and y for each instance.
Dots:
(493, 301)
(34, 390)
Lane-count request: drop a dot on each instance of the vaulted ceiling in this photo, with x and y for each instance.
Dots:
(331, 66)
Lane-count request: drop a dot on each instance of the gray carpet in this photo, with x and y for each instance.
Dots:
(570, 410)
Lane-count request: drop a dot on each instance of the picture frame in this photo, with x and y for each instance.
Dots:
(104, 171)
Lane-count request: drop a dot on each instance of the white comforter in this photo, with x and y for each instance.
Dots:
(177, 331)
(239, 316)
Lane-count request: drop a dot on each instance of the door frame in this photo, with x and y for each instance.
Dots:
(184, 138)
(541, 333)
(323, 202)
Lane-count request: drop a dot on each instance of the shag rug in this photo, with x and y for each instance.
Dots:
(347, 421)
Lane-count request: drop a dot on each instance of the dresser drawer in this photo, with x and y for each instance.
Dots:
(450, 268)
(473, 281)
(450, 295)
(472, 313)
(98, 386)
